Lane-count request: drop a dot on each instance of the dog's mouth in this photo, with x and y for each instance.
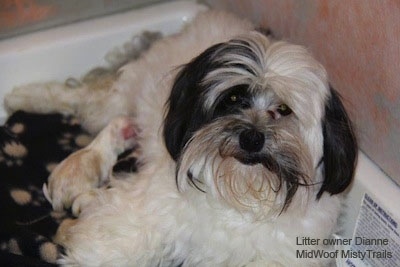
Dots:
(253, 159)
(249, 159)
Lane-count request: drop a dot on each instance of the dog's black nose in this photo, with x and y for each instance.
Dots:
(251, 140)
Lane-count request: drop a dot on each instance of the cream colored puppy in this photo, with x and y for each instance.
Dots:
(90, 167)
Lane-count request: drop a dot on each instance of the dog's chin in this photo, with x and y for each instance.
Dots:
(242, 183)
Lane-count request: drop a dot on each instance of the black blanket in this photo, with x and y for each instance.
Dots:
(30, 146)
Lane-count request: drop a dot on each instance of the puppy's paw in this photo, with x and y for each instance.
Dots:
(39, 98)
(90, 167)
(77, 174)
(18, 98)
(82, 201)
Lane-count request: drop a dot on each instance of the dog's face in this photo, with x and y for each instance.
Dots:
(254, 123)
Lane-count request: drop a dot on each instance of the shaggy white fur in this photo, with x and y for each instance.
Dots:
(211, 206)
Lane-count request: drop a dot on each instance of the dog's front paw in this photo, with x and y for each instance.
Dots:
(83, 200)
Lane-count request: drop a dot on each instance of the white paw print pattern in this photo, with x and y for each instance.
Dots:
(70, 142)
(21, 197)
(29, 196)
(48, 252)
(13, 153)
(72, 121)
(17, 128)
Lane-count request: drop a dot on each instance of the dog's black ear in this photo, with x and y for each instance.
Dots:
(180, 108)
(340, 147)
(184, 107)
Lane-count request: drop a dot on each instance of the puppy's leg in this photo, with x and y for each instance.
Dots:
(90, 167)
(45, 98)
(94, 102)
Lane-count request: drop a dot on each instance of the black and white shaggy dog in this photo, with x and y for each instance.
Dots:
(243, 146)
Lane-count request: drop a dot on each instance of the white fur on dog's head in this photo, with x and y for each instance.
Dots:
(254, 123)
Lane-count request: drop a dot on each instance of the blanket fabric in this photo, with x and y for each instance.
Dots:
(31, 145)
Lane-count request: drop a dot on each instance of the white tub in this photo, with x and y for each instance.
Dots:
(71, 50)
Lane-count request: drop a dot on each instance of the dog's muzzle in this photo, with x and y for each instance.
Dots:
(251, 143)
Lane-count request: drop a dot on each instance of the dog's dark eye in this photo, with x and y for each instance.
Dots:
(284, 110)
(233, 100)
(238, 97)
(237, 101)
